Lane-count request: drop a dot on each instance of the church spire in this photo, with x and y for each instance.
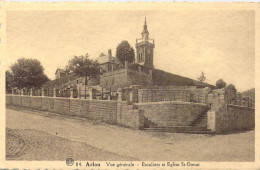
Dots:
(145, 33)
(144, 48)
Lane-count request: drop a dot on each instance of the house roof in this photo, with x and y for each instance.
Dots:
(59, 69)
(102, 58)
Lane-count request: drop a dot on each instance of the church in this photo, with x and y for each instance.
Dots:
(142, 72)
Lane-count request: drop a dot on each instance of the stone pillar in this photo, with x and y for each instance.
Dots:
(71, 92)
(206, 91)
(31, 91)
(79, 90)
(238, 99)
(127, 92)
(112, 67)
(222, 95)
(134, 93)
(54, 92)
(120, 94)
(248, 102)
(126, 73)
(139, 69)
(21, 92)
(42, 92)
(210, 101)
(211, 120)
(151, 72)
(126, 64)
(12, 91)
(151, 76)
(92, 93)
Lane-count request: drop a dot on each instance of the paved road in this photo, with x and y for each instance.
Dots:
(126, 144)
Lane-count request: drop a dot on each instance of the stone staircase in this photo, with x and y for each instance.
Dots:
(201, 121)
(198, 126)
(149, 124)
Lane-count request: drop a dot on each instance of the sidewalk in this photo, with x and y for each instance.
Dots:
(149, 146)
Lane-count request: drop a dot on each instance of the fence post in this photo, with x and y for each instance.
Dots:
(110, 93)
(54, 92)
(42, 92)
(12, 91)
(31, 90)
(79, 90)
(21, 92)
(102, 94)
(85, 92)
(119, 91)
(92, 93)
(71, 92)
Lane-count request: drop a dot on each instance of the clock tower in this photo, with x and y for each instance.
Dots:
(144, 48)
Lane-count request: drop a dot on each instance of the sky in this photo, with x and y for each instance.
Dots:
(221, 43)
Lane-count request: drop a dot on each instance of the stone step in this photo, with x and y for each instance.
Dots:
(180, 129)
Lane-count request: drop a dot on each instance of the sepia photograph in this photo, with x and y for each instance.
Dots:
(135, 86)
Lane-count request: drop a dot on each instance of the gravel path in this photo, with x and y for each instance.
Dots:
(133, 144)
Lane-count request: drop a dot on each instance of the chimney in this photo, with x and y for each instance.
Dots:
(110, 54)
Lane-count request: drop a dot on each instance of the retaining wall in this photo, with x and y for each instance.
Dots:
(156, 95)
(224, 117)
(192, 94)
(105, 111)
(231, 118)
(172, 113)
(129, 115)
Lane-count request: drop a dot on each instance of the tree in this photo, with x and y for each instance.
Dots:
(8, 82)
(124, 52)
(230, 93)
(231, 87)
(82, 66)
(202, 79)
(220, 84)
(27, 73)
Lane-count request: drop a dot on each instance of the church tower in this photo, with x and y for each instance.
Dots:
(144, 48)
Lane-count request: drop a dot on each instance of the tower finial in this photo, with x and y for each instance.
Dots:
(145, 20)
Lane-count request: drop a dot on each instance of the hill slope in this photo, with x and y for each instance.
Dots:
(249, 93)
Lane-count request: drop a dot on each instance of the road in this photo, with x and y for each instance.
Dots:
(49, 136)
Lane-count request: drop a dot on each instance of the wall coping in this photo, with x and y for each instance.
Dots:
(165, 90)
(110, 73)
(169, 102)
(240, 106)
(47, 97)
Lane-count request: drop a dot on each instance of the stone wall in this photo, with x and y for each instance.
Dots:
(48, 104)
(132, 75)
(61, 106)
(224, 117)
(117, 78)
(101, 110)
(129, 115)
(156, 95)
(231, 118)
(36, 102)
(172, 113)
(193, 94)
